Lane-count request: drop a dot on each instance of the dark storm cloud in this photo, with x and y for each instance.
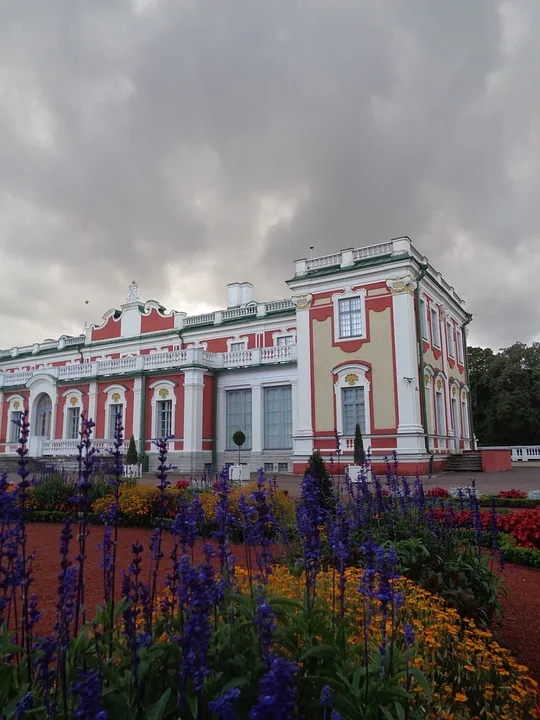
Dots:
(191, 143)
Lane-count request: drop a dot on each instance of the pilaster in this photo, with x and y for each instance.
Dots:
(303, 430)
(193, 409)
(410, 430)
(92, 401)
(256, 418)
(137, 401)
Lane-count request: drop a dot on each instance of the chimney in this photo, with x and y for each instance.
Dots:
(246, 293)
(233, 295)
(239, 294)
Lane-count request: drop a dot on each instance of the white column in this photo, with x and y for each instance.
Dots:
(92, 401)
(303, 430)
(193, 409)
(257, 421)
(446, 369)
(407, 380)
(2, 417)
(137, 397)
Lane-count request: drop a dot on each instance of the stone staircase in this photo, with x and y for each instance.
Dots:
(468, 462)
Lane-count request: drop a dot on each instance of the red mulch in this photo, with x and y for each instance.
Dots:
(519, 630)
(520, 627)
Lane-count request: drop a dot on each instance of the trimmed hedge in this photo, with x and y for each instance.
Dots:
(487, 501)
(514, 553)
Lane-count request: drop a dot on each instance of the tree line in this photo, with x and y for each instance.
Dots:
(505, 394)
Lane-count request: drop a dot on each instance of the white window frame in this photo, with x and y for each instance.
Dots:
(158, 387)
(440, 391)
(280, 334)
(424, 322)
(454, 394)
(450, 342)
(229, 445)
(341, 382)
(237, 339)
(459, 341)
(73, 398)
(265, 388)
(430, 410)
(11, 427)
(349, 294)
(111, 390)
(435, 323)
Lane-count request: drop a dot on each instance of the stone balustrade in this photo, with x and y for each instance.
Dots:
(157, 361)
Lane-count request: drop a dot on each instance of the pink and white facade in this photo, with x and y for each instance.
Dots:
(373, 335)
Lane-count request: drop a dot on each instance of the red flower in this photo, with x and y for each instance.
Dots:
(438, 492)
(182, 485)
(512, 494)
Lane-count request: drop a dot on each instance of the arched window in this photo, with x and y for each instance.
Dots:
(163, 409)
(16, 408)
(352, 398)
(72, 414)
(114, 405)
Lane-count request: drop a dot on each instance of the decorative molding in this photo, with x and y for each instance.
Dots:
(302, 302)
(439, 384)
(351, 378)
(399, 285)
(164, 393)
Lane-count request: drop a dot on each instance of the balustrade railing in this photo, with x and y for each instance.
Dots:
(525, 453)
(157, 361)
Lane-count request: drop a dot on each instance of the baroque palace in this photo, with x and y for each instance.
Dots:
(373, 335)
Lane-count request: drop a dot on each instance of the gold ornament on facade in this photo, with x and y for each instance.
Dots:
(302, 302)
(351, 379)
(439, 384)
(16, 405)
(426, 379)
(73, 401)
(164, 393)
(454, 392)
(115, 397)
(401, 285)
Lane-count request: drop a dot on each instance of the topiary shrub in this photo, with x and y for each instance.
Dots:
(317, 469)
(359, 454)
(132, 456)
(238, 439)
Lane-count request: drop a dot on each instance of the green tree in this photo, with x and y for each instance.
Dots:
(132, 456)
(505, 394)
(238, 439)
(317, 469)
(359, 454)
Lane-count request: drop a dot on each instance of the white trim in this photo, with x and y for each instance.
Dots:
(169, 386)
(460, 351)
(255, 381)
(109, 391)
(342, 372)
(434, 310)
(70, 395)
(237, 340)
(424, 323)
(451, 342)
(346, 294)
(283, 334)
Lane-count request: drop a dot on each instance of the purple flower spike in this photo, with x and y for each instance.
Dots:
(224, 707)
(277, 698)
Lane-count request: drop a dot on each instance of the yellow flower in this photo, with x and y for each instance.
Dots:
(460, 697)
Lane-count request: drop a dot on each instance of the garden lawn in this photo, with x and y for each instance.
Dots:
(519, 630)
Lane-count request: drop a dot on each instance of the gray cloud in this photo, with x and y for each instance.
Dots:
(191, 143)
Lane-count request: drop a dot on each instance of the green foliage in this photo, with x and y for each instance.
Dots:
(514, 553)
(359, 454)
(132, 456)
(505, 394)
(316, 467)
(456, 572)
(490, 500)
(238, 439)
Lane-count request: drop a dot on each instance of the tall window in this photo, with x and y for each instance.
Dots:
(354, 409)
(464, 419)
(238, 416)
(350, 317)
(278, 418)
(284, 340)
(439, 409)
(114, 410)
(451, 343)
(423, 319)
(460, 346)
(14, 429)
(164, 418)
(435, 329)
(73, 423)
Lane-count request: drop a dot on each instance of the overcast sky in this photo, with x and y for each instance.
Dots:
(191, 143)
